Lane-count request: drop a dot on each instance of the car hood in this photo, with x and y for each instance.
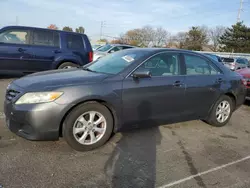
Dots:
(58, 78)
(244, 72)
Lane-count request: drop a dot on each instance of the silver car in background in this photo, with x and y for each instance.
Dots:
(235, 63)
(109, 48)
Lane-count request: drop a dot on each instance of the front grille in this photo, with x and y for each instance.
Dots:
(11, 94)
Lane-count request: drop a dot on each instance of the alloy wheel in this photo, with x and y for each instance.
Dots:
(89, 127)
(223, 111)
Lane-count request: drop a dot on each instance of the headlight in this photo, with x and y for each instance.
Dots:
(38, 97)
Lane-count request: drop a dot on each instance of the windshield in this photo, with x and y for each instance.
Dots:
(105, 48)
(115, 62)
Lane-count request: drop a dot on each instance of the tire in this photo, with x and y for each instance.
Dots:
(67, 65)
(213, 120)
(70, 124)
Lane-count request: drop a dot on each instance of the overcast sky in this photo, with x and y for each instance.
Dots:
(122, 15)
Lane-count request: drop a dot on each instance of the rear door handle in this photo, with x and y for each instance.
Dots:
(177, 83)
(21, 50)
(57, 51)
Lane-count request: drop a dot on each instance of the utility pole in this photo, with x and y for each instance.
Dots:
(102, 25)
(240, 10)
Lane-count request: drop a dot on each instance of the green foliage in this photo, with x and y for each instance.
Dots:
(236, 39)
(66, 28)
(80, 30)
(196, 38)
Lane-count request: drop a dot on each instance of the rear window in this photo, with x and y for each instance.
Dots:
(74, 42)
(45, 38)
(228, 60)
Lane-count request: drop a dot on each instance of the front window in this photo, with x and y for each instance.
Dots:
(164, 64)
(116, 62)
(15, 37)
(105, 48)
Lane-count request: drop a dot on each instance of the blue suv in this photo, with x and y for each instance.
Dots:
(29, 49)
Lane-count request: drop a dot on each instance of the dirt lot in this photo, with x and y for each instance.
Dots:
(190, 154)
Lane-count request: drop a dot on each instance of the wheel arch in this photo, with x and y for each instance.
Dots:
(103, 102)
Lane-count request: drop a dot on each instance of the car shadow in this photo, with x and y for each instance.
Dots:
(10, 76)
(133, 160)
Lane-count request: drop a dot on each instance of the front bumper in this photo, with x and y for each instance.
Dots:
(34, 121)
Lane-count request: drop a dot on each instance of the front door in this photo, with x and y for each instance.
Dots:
(203, 82)
(157, 99)
(14, 49)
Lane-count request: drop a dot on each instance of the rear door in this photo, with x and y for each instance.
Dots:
(14, 49)
(45, 47)
(203, 82)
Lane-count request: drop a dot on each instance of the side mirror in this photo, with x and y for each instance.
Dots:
(141, 74)
(112, 51)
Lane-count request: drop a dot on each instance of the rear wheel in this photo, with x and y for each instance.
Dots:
(88, 126)
(221, 112)
(67, 65)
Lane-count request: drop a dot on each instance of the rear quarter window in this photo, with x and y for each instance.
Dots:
(74, 42)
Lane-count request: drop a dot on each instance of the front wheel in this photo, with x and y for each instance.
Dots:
(88, 126)
(221, 112)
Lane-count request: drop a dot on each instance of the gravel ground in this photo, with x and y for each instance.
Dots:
(190, 154)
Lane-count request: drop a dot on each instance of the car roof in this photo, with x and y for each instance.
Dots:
(157, 50)
(45, 29)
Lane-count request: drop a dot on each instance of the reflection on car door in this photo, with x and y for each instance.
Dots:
(14, 49)
(157, 99)
(203, 81)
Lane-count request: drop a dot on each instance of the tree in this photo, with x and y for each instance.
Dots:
(180, 39)
(102, 41)
(214, 35)
(146, 36)
(117, 41)
(160, 37)
(52, 26)
(66, 28)
(236, 39)
(80, 30)
(196, 38)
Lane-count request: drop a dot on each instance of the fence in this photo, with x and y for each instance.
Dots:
(227, 54)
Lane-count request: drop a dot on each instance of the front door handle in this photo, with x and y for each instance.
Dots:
(21, 50)
(177, 83)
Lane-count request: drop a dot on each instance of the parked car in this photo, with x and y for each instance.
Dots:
(131, 88)
(109, 48)
(29, 49)
(214, 57)
(235, 63)
(96, 46)
(246, 75)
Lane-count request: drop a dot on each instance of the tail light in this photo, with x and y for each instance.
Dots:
(90, 56)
